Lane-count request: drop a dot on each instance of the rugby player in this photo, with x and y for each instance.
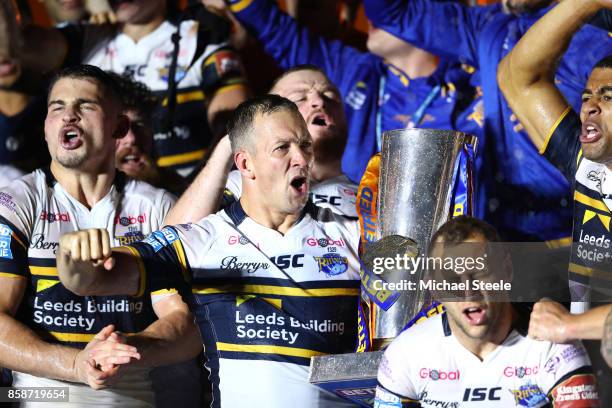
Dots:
(577, 144)
(50, 336)
(393, 86)
(208, 79)
(477, 352)
(522, 195)
(275, 278)
(321, 107)
(135, 154)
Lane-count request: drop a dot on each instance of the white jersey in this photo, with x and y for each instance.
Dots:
(337, 193)
(266, 302)
(426, 366)
(35, 211)
(8, 174)
(200, 73)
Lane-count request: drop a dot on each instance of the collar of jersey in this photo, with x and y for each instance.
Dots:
(236, 213)
(119, 181)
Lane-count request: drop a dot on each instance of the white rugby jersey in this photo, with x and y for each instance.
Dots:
(8, 174)
(266, 302)
(35, 211)
(426, 366)
(337, 193)
(217, 68)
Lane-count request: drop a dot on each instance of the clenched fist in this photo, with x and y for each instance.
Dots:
(81, 256)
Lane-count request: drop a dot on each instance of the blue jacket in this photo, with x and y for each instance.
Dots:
(359, 76)
(518, 191)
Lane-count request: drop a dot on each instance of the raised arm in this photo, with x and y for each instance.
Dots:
(288, 43)
(526, 75)
(87, 266)
(447, 29)
(204, 194)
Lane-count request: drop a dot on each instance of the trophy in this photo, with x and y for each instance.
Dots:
(419, 172)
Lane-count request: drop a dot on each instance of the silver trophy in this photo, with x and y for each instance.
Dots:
(417, 171)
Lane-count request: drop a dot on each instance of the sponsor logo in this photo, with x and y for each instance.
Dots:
(5, 241)
(332, 264)
(6, 200)
(528, 395)
(52, 217)
(520, 372)
(232, 263)
(552, 365)
(286, 261)
(130, 219)
(130, 237)
(429, 402)
(357, 96)
(323, 199)
(226, 63)
(577, 388)
(237, 239)
(482, 394)
(38, 242)
(439, 374)
(324, 242)
(572, 352)
(159, 239)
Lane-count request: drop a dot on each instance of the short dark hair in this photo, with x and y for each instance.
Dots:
(240, 125)
(462, 228)
(605, 62)
(105, 81)
(296, 68)
(135, 95)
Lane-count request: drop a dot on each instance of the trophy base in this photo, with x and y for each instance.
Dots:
(349, 376)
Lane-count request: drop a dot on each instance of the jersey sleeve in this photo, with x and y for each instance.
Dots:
(447, 29)
(17, 212)
(567, 377)
(395, 388)
(288, 43)
(164, 203)
(562, 145)
(221, 69)
(161, 261)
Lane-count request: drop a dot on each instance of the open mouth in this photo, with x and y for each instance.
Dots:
(70, 138)
(300, 184)
(590, 133)
(319, 120)
(475, 315)
(7, 67)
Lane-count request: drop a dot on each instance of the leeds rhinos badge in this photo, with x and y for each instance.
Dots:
(332, 264)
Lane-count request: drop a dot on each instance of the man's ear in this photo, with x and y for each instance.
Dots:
(244, 164)
(123, 126)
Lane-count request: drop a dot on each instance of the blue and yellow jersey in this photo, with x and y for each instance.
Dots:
(34, 212)
(591, 258)
(265, 302)
(520, 193)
